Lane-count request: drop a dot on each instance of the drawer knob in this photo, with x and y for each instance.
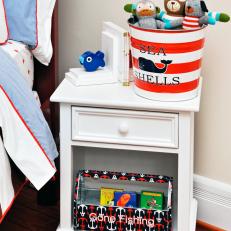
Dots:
(123, 129)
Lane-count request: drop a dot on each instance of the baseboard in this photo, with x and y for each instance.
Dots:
(204, 226)
(214, 202)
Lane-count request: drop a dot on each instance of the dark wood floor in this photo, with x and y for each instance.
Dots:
(26, 215)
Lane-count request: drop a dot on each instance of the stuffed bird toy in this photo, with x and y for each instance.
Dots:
(144, 14)
(174, 9)
(135, 10)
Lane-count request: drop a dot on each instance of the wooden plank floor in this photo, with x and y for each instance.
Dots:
(26, 215)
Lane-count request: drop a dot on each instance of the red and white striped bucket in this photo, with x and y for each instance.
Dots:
(167, 63)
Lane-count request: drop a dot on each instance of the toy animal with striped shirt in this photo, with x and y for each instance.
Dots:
(189, 14)
(197, 15)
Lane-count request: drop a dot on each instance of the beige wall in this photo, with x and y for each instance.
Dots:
(80, 25)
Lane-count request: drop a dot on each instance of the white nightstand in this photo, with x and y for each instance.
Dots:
(114, 117)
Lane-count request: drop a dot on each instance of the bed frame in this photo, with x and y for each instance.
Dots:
(45, 83)
(46, 79)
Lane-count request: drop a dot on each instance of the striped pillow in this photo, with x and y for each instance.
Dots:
(21, 18)
(3, 24)
(30, 22)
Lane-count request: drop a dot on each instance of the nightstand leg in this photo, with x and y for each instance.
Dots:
(185, 170)
(66, 168)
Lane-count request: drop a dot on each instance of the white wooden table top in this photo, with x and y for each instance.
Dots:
(117, 96)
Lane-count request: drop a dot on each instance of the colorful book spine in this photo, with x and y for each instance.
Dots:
(107, 196)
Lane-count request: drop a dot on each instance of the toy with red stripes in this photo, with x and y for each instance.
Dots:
(186, 14)
(197, 15)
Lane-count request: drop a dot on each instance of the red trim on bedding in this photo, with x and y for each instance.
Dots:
(36, 140)
(4, 9)
(12, 202)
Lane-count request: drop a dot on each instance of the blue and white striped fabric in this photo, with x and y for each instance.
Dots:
(27, 137)
(3, 24)
(22, 20)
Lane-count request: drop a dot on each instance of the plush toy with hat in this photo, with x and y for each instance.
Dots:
(174, 13)
(131, 8)
(144, 15)
(189, 14)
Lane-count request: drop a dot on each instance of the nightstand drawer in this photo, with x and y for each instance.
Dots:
(125, 127)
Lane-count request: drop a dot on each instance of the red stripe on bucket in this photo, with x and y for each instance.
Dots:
(164, 31)
(167, 48)
(180, 88)
(178, 68)
(190, 25)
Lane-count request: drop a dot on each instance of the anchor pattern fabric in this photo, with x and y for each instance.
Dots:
(131, 219)
(102, 218)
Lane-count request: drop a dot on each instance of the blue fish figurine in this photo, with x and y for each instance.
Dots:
(92, 61)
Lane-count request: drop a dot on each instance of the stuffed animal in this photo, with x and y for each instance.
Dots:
(197, 15)
(175, 9)
(220, 17)
(131, 8)
(92, 61)
(146, 15)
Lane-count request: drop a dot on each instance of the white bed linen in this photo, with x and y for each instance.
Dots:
(19, 143)
(23, 57)
(26, 144)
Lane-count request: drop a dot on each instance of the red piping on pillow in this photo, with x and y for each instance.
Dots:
(6, 23)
